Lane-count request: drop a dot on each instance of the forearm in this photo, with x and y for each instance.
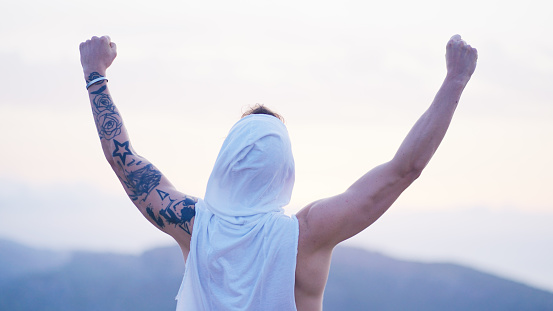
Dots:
(109, 123)
(137, 175)
(426, 135)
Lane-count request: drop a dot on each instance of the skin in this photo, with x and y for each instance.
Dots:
(324, 223)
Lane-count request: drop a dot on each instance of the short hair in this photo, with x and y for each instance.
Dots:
(261, 109)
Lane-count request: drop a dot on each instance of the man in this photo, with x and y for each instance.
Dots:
(241, 252)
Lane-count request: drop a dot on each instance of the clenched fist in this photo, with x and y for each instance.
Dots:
(97, 54)
(460, 59)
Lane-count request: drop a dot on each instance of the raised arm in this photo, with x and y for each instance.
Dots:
(329, 221)
(165, 207)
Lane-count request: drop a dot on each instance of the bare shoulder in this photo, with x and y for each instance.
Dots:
(327, 222)
(332, 220)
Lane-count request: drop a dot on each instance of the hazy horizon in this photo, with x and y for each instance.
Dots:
(501, 242)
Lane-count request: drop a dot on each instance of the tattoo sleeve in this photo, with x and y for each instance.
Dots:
(139, 177)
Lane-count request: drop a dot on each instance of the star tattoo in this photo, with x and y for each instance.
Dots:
(121, 150)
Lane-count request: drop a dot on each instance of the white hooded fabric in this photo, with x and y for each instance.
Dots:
(243, 248)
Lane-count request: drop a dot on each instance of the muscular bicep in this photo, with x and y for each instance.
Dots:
(157, 199)
(332, 220)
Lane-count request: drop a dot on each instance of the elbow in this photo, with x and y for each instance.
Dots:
(109, 157)
(411, 172)
(414, 173)
(415, 170)
(111, 161)
(409, 167)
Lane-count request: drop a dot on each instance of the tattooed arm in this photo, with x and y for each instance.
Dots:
(157, 199)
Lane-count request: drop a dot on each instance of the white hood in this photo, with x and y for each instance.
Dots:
(254, 171)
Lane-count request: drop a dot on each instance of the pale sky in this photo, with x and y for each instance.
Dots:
(350, 78)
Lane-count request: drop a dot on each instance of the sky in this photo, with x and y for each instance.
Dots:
(350, 78)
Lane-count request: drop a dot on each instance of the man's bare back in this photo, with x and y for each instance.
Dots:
(322, 224)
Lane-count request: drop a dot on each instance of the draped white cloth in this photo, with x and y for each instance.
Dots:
(243, 248)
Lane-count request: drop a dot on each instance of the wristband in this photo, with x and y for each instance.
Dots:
(95, 81)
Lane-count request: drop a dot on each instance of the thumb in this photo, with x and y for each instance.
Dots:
(113, 47)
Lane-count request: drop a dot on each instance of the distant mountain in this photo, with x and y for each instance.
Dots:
(362, 280)
(92, 281)
(17, 260)
(32, 279)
